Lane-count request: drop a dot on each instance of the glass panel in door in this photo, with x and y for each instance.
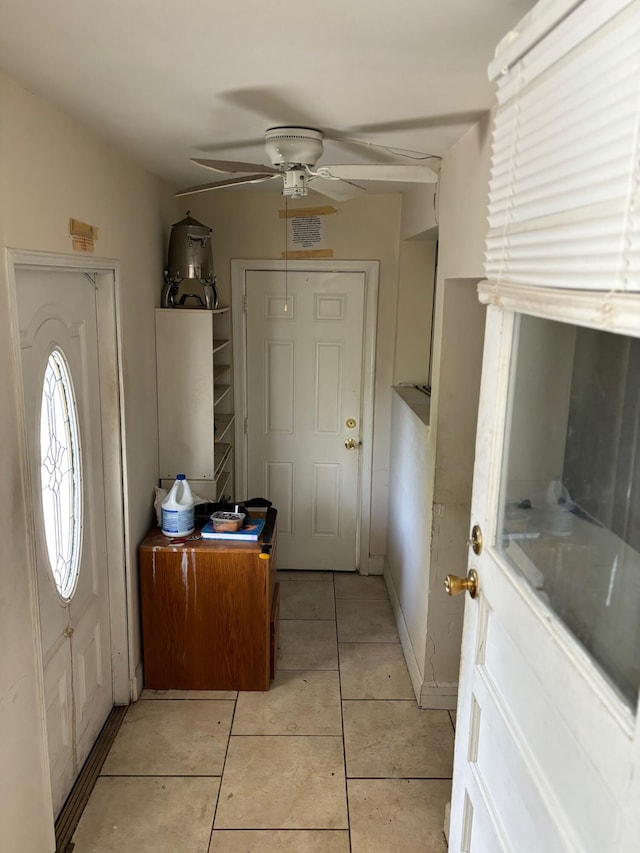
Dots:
(570, 496)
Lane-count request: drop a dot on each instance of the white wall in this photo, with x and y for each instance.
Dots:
(433, 466)
(537, 433)
(419, 213)
(409, 538)
(247, 225)
(415, 305)
(455, 379)
(452, 457)
(51, 169)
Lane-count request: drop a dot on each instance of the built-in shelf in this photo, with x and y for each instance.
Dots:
(223, 425)
(222, 485)
(195, 399)
(220, 392)
(220, 370)
(416, 400)
(221, 454)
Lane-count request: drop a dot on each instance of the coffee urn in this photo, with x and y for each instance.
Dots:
(190, 258)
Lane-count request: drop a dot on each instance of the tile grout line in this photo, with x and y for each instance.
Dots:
(344, 745)
(161, 776)
(215, 801)
(218, 776)
(224, 762)
(452, 723)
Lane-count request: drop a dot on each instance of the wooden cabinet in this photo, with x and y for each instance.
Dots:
(209, 614)
(195, 399)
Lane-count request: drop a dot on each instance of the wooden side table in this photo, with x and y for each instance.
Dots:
(209, 614)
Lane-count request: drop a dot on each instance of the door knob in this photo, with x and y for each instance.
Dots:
(351, 443)
(455, 585)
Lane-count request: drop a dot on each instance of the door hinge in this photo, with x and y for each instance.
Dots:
(244, 303)
(246, 425)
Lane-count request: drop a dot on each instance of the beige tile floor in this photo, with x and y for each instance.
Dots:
(335, 758)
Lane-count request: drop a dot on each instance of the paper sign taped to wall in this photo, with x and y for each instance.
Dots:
(306, 232)
(306, 254)
(323, 210)
(83, 235)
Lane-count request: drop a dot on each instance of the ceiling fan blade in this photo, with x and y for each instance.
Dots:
(230, 144)
(379, 172)
(273, 103)
(337, 190)
(231, 166)
(250, 179)
(421, 122)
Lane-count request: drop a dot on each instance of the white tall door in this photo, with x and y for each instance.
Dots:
(304, 377)
(57, 314)
(547, 742)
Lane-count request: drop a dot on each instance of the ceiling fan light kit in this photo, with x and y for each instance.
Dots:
(295, 183)
(290, 146)
(294, 152)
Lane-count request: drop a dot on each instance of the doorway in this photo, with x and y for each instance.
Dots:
(66, 318)
(305, 339)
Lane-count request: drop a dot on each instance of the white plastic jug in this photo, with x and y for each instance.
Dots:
(177, 509)
(557, 518)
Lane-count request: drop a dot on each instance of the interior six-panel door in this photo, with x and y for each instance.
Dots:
(550, 673)
(304, 378)
(57, 314)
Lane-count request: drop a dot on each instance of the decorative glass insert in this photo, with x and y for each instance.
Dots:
(60, 474)
(570, 509)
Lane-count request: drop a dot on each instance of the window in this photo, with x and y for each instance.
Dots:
(570, 509)
(60, 474)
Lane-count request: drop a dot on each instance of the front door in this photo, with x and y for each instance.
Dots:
(547, 747)
(59, 353)
(304, 410)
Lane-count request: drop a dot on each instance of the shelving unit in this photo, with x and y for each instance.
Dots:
(195, 399)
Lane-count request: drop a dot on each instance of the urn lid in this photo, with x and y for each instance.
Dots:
(190, 222)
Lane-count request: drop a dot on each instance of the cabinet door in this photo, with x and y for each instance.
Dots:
(205, 617)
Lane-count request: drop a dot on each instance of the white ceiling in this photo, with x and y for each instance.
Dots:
(169, 80)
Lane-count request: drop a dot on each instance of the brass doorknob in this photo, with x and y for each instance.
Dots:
(351, 444)
(455, 585)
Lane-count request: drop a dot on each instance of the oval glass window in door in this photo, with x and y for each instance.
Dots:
(60, 474)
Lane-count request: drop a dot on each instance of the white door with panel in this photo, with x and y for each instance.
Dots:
(60, 369)
(547, 748)
(304, 410)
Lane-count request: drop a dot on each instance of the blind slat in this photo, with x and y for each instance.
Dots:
(565, 183)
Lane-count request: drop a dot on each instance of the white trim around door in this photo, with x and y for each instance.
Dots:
(371, 270)
(105, 276)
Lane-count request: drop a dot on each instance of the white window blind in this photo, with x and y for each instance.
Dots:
(564, 201)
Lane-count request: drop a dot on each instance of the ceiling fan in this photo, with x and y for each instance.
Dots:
(294, 152)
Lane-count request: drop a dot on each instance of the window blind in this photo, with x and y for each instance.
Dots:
(564, 200)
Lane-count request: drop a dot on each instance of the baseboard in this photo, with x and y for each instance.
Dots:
(71, 812)
(403, 632)
(442, 696)
(376, 565)
(137, 683)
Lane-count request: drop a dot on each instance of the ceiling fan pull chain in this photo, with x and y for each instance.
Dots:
(286, 254)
